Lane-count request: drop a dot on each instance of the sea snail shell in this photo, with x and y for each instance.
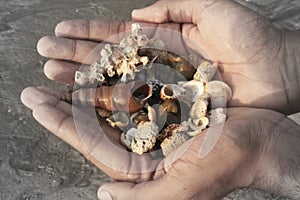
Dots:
(122, 97)
(171, 91)
(219, 93)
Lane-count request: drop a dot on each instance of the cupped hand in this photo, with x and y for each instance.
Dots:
(234, 162)
(252, 53)
(254, 56)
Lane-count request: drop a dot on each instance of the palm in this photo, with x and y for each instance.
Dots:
(247, 47)
(245, 132)
(236, 153)
(250, 53)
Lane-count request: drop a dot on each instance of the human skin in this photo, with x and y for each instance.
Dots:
(256, 149)
(256, 60)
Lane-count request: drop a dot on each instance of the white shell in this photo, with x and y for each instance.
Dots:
(172, 142)
(126, 138)
(81, 78)
(219, 92)
(198, 124)
(118, 119)
(205, 71)
(199, 109)
(216, 116)
(144, 137)
(193, 89)
(151, 114)
(171, 91)
(121, 59)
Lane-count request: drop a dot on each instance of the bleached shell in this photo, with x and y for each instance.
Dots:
(142, 40)
(121, 59)
(81, 78)
(205, 71)
(219, 92)
(126, 138)
(118, 119)
(136, 29)
(216, 116)
(144, 60)
(199, 109)
(172, 142)
(139, 117)
(144, 137)
(197, 125)
(155, 44)
(151, 114)
(193, 89)
(171, 91)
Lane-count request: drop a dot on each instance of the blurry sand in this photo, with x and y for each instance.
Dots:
(34, 164)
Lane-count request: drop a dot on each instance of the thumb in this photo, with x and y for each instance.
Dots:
(150, 190)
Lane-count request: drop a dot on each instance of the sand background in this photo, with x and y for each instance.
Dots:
(34, 164)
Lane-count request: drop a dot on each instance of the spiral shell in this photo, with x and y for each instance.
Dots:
(197, 125)
(129, 97)
(171, 91)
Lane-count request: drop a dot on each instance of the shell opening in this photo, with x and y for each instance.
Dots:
(168, 91)
(141, 92)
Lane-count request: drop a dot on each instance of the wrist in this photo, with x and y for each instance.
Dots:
(278, 169)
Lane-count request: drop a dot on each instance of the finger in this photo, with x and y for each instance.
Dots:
(31, 97)
(186, 12)
(98, 30)
(69, 49)
(91, 30)
(126, 190)
(62, 71)
(50, 91)
(114, 31)
(170, 11)
(89, 139)
(167, 188)
(84, 133)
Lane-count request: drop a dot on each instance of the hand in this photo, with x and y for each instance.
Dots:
(243, 157)
(257, 60)
(243, 65)
(254, 58)
(258, 148)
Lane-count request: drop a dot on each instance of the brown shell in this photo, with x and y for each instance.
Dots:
(129, 97)
(169, 131)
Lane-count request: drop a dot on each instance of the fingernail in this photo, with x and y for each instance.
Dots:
(104, 195)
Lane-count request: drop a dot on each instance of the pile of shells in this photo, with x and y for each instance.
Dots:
(151, 111)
